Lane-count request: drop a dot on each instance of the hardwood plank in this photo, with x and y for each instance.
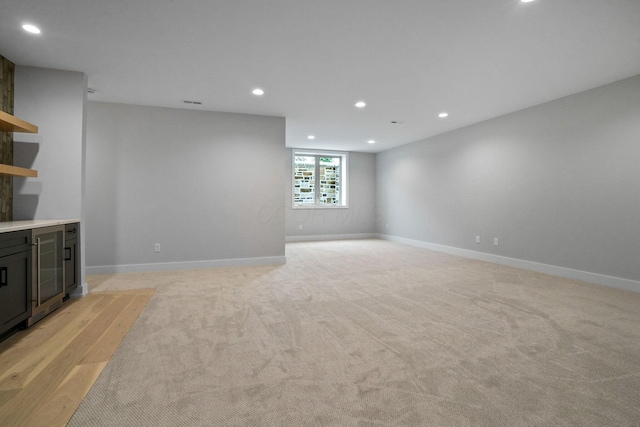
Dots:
(44, 351)
(53, 349)
(45, 383)
(7, 395)
(104, 348)
(58, 409)
(25, 342)
(142, 291)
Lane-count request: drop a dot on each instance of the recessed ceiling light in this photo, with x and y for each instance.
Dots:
(31, 29)
(311, 137)
(443, 115)
(526, 1)
(361, 104)
(258, 92)
(371, 141)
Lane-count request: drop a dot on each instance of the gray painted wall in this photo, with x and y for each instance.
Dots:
(558, 184)
(55, 101)
(205, 185)
(357, 219)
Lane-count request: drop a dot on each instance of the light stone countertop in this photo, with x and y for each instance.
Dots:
(6, 227)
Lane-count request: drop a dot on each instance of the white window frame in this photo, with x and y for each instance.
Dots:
(344, 179)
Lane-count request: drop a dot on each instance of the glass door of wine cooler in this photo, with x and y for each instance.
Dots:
(47, 271)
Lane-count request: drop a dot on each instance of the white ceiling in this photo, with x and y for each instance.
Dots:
(408, 59)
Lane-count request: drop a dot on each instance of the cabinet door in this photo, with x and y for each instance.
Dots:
(71, 257)
(70, 268)
(15, 290)
(14, 242)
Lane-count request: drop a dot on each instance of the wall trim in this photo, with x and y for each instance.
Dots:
(585, 276)
(321, 237)
(80, 291)
(186, 265)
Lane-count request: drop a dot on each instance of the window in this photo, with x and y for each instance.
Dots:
(319, 179)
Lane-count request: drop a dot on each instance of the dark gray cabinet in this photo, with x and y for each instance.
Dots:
(71, 256)
(39, 268)
(15, 280)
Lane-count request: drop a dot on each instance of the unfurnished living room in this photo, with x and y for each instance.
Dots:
(296, 213)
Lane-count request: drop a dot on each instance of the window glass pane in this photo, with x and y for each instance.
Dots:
(304, 180)
(307, 160)
(329, 161)
(329, 192)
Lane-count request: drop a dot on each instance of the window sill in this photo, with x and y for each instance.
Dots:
(320, 207)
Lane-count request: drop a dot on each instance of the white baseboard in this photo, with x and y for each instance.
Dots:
(80, 291)
(585, 276)
(322, 237)
(186, 265)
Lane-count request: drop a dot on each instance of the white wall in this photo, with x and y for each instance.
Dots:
(55, 101)
(558, 184)
(358, 220)
(207, 186)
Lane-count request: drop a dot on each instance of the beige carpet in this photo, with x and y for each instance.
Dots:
(371, 333)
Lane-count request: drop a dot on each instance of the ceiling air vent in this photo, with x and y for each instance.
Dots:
(193, 102)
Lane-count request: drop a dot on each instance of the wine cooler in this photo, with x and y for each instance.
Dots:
(47, 260)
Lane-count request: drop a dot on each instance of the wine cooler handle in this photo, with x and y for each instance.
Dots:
(3, 276)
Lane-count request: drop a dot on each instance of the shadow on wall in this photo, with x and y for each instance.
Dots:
(25, 206)
(26, 191)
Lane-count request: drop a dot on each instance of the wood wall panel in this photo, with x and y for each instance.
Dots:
(6, 139)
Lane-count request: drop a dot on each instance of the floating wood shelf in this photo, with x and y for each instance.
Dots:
(16, 171)
(11, 123)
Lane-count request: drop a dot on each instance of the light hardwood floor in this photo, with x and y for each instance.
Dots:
(46, 370)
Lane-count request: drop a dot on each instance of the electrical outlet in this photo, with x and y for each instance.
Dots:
(495, 241)
(386, 226)
(300, 227)
(477, 239)
(157, 247)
